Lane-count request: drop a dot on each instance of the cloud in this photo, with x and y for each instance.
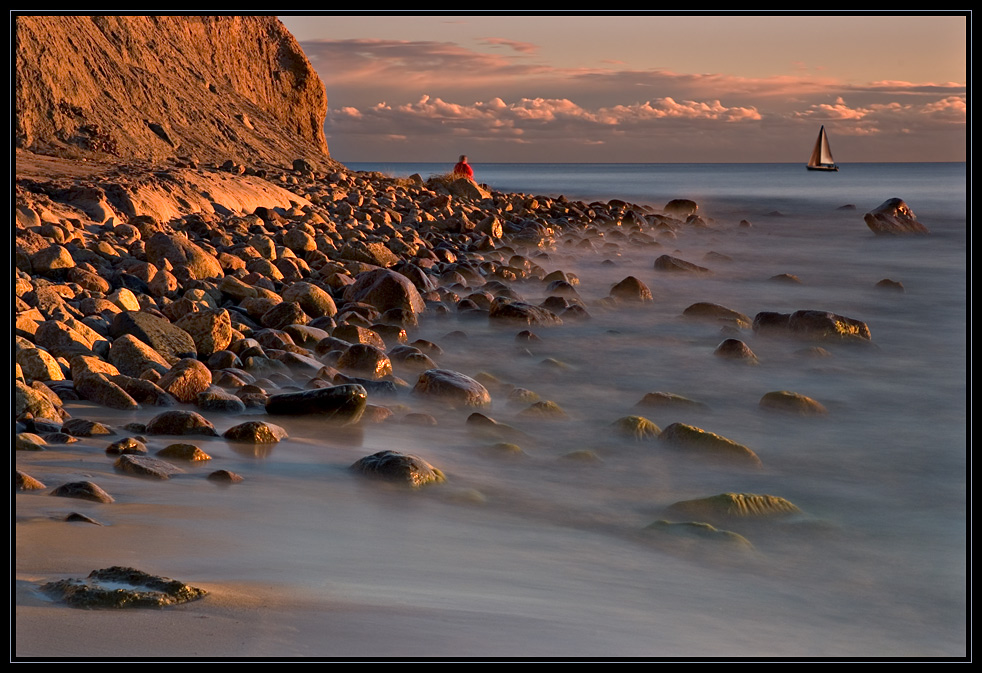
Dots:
(522, 47)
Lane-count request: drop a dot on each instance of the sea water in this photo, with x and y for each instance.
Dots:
(546, 552)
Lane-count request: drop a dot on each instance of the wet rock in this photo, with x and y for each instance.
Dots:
(701, 442)
(99, 388)
(220, 401)
(82, 427)
(887, 284)
(25, 482)
(730, 506)
(180, 451)
(255, 432)
(366, 359)
(794, 403)
(893, 217)
(144, 392)
(681, 207)
(636, 427)
(85, 490)
(452, 387)
(698, 531)
(343, 404)
(119, 587)
(225, 477)
(181, 422)
(399, 467)
(145, 466)
(81, 518)
(810, 324)
(127, 445)
(716, 312)
(668, 400)
(669, 263)
(28, 441)
(631, 289)
(507, 310)
(545, 410)
(788, 278)
(734, 349)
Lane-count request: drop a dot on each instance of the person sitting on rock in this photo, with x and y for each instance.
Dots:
(463, 169)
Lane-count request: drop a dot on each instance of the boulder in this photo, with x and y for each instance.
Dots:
(182, 253)
(169, 341)
(893, 217)
(342, 405)
(631, 289)
(730, 506)
(793, 403)
(255, 432)
(399, 467)
(452, 387)
(180, 422)
(385, 289)
(669, 263)
(508, 310)
(186, 379)
(701, 442)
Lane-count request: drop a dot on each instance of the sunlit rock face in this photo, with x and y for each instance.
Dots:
(893, 217)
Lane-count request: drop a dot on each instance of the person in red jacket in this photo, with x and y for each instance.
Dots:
(463, 169)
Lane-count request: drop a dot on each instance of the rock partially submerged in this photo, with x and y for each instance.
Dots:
(120, 587)
(696, 440)
(452, 387)
(342, 404)
(399, 467)
(86, 490)
(729, 506)
(811, 324)
(893, 217)
(793, 403)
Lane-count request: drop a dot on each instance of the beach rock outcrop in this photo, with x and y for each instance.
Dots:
(119, 587)
(811, 324)
(893, 217)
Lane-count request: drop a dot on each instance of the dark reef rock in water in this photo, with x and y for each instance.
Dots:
(119, 587)
(701, 442)
(794, 403)
(893, 217)
(681, 207)
(708, 310)
(631, 289)
(809, 324)
(669, 263)
(399, 467)
(342, 404)
(728, 506)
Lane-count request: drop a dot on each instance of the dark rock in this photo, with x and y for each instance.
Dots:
(521, 312)
(145, 466)
(342, 404)
(699, 441)
(452, 387)
(399, 467)
(631, 289)
(734, 349)
(893, 217)
(730, 506)
(170, 341)
(669, 263)
(84, 490)
(711, 311)
(180, 422)
(225, 477)
(795, 403)
(25, 482)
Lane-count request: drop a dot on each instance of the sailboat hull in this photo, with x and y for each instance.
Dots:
(822, 168)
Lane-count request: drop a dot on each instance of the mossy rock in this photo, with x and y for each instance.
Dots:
(101, 589)
(696, 440)
(729, 506)
(636, 427)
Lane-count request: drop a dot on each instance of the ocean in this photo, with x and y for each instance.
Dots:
(546, 551)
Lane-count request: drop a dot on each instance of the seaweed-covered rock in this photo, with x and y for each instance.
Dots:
(342, 404)
(399, 467)
(119, 587)
(696, 440)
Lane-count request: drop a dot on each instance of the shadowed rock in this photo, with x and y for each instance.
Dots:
(181, 422)
(669, 263)
(342, 404)
(145, 466)
(711, 311)
(660, 399)
(810, 324)
(520, 312)
(399, 467)
(734, 349)
(696, 531)
(636, 427)
(85, 490)
(631, 289)
(170, 341)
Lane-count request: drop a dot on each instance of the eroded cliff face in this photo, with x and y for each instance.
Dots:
(153, 88)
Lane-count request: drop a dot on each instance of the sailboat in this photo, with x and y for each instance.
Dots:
(821, 159)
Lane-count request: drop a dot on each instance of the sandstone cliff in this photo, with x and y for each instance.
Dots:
(158, 87)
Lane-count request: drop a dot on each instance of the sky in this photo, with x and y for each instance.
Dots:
(640, 88)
